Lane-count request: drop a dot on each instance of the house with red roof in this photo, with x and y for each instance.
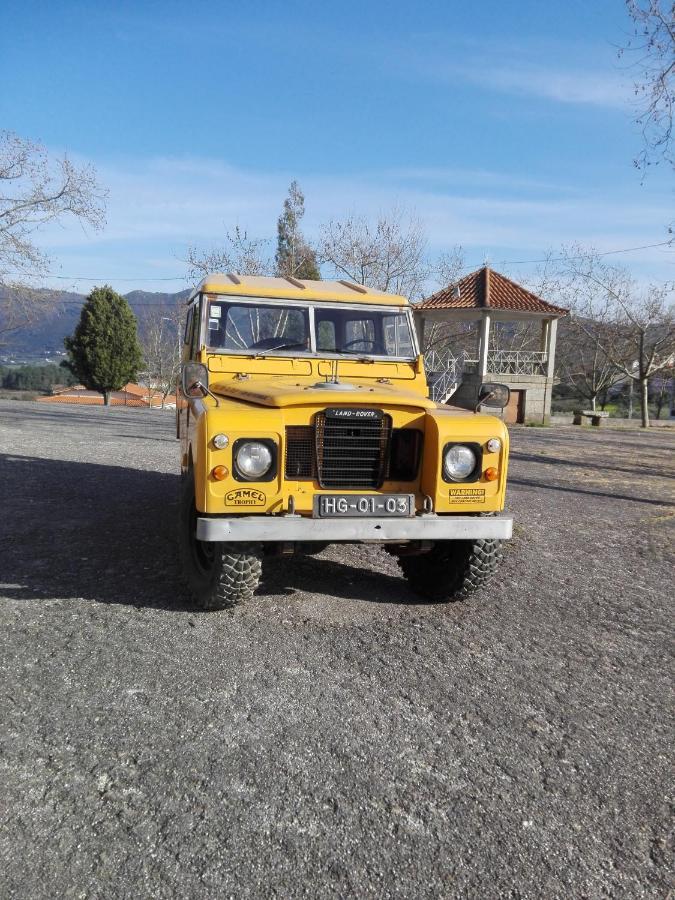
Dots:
(489, 299)
(130, 395)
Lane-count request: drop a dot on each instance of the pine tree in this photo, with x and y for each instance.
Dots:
(104, 353)
(294, 256)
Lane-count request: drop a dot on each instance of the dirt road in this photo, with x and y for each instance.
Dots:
(335, 737)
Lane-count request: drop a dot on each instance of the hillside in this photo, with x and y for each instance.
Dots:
(45, 339)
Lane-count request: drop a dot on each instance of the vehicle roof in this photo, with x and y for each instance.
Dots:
(294, 289)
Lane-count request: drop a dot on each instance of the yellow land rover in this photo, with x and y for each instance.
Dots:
(304, 419)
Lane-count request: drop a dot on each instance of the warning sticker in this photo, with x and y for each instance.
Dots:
(467, 495)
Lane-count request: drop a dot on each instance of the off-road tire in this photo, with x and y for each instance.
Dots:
(452, 569)
(217, 575)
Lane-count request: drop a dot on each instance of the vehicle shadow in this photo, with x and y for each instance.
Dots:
(108, 533)
(335, 579)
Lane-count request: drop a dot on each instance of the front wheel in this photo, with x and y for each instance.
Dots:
(218, 575)
(452, 569)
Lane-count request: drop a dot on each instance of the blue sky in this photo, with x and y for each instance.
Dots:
(505, 127)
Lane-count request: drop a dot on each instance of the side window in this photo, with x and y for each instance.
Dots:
(194, 334)
(187, 336)
(325, 335)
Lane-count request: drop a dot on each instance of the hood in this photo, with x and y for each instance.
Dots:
(280, 394)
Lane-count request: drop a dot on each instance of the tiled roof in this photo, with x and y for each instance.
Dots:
(136, 389)
(91, 398)
(487, 289)
(130, 395)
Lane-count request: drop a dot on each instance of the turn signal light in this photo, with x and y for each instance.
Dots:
(491, 474)
(220, 473)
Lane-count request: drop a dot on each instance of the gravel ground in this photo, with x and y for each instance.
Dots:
(335, 737)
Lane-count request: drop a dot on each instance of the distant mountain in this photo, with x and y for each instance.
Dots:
(45, 339)
(152, 298)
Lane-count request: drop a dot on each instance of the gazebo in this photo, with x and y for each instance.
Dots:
(487, 297)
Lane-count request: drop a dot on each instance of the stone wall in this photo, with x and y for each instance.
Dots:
(537, 397)
(613, 423)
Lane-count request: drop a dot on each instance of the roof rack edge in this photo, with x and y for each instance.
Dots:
(359, 288)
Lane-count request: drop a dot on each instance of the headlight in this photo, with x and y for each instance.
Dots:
(220, 441)
(494, 445)
(459, 461)
(254, 459)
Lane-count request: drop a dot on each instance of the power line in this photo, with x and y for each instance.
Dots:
(503, 262)
(90, 277)
(521, 262)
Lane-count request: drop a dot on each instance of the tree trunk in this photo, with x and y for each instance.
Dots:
(644, 402)
(593, 401)
(106, 398)
(660, 400)
(630, 398)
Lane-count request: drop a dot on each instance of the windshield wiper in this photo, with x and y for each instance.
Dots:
(258, 353)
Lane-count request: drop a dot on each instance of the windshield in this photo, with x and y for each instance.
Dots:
(255, 326)
(362, 332)
(266, 328)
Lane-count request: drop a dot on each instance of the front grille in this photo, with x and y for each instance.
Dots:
(404, 454)
(300, 455)
(352, 448)
(351, 453)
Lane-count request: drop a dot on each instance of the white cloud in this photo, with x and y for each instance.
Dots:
(562, 72)
(574, 86)
(480, 178)
(160, 207)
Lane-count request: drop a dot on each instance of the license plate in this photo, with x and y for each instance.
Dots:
(340, 506)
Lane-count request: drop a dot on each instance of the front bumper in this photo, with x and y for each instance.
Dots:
(299, 528)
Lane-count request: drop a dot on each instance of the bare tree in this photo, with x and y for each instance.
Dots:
(652, 49)
(448, 267)
(583, 360)
(662, 387)
(159, 330)
(629, 330)
(240, 253)
(646, 337)
(388, 254)
(585, 334)
(35, 190)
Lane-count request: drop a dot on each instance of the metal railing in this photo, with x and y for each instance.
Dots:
(444, 373)
(516, 362)
(446, 369)
(510, 362)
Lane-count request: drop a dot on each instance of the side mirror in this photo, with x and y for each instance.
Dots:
(194, 379)
(493, 395)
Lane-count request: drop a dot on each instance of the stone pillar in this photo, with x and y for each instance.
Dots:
(419, 328)
(483, 346)
(545, 329)
(550, 349)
